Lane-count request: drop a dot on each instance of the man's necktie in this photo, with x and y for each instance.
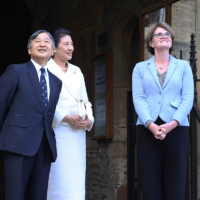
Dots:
(43, 84)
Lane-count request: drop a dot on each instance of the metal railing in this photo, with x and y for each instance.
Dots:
(194, 115)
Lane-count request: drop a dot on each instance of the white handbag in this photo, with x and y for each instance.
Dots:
(82, 109)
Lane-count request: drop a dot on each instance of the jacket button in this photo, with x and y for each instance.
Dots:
(42, 128)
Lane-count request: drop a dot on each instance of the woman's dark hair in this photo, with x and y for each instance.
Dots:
(163, 25)
(60, 33)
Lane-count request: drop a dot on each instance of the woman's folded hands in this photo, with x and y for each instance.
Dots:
(76, 122)
(161, 131)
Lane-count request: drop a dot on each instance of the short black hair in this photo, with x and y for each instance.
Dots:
(60, 33)
(36, 34)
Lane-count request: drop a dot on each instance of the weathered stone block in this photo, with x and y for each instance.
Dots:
(91, 150)
(102, 150)
(117, 149)
(103, 184)
(95, 170)
(118, 171)
(119, 134)
(91, 144)
(95, 182)
(94, 193)
(94, 155)
(98, 161)
(96, 177)
(120, 107)
(92, 162)
(102, 171)
(88, 155)
(105, 162)
(111, 193)
(122, 193)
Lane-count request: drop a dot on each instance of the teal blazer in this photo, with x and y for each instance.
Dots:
(173, 101)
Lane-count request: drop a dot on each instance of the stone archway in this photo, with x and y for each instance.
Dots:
(124, 30)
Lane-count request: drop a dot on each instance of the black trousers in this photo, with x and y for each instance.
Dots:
(163, 163)
(26, 177)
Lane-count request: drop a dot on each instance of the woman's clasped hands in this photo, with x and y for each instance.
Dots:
(161, 131)
(76, 122)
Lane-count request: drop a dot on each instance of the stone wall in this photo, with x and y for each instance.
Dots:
(97, 174)
(106, 171)
(183, 24)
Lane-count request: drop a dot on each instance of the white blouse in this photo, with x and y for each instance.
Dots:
(73, 83)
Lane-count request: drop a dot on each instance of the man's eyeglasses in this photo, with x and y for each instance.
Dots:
(161, 35)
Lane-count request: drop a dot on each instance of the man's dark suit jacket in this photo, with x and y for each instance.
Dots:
(22, 117)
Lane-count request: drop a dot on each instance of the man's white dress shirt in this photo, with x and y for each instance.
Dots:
(38, 69)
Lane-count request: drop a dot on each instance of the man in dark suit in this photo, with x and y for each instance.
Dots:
(28, 98)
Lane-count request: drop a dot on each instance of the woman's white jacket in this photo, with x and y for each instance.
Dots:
(73, 87)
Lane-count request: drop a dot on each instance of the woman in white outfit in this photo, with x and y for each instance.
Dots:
(67, 175)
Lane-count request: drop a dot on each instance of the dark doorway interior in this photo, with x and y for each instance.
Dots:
(133, 175)
(15, 29)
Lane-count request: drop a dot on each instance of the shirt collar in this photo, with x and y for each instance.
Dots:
(38, 67)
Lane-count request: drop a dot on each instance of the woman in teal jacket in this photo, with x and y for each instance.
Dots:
(163, 92)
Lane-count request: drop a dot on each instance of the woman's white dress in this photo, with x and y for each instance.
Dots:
(67, 174)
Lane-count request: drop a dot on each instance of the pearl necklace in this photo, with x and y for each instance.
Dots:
(65, 69)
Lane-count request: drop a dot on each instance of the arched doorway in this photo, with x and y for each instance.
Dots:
(131, 37)
(126, 53)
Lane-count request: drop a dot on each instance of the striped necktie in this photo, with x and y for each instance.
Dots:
(43, 84)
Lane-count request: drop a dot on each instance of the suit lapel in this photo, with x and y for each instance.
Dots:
(33, 76)
(152, 70)
(170, 71)
(52, 89)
